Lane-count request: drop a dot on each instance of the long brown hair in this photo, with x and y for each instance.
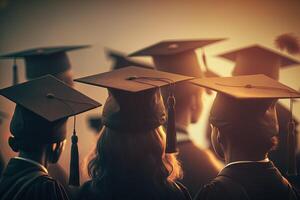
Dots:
(141, 154)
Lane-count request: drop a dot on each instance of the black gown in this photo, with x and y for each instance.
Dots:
(197, 167)
(104, 189)
(18, 172)
(259, 181)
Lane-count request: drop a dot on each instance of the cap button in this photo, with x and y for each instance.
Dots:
(131, 78)
(248, 86)
(173, 46)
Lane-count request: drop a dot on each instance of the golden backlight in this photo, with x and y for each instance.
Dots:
(131, 25)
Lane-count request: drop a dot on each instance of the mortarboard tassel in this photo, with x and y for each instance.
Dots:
(15, 73)
(288, 42)
(74, 178)
(291, 144)
(171, 131)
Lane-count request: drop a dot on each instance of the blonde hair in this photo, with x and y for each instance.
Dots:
(122, 153)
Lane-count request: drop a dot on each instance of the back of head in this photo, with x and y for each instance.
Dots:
(249, 125)
(128, 111)
(31, 131)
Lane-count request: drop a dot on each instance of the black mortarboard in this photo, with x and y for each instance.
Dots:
(177, 56)
(247, 101)
(257, 59)
(40, 110)
(135, 103)
(121, 60)
(43, 60)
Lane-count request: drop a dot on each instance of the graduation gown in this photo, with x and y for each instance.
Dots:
(18, 173)
(259, 181)
(198, 167)
(130, 189)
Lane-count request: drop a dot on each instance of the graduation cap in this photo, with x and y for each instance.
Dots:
(247, 101)
(257, 59)
(134, 103)
(177, 56)
(121, 60)
(43, 60)
(41, 110)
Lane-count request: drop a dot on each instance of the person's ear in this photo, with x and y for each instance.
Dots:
(216, 141)
(54, 151)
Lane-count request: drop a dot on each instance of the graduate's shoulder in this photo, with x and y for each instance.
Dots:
(49, 187)
(212, 191)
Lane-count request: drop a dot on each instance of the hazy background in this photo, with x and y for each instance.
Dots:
(130, 25)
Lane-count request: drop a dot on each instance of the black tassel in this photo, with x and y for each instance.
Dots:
(15, 73)
(171, 131)
(74, 178)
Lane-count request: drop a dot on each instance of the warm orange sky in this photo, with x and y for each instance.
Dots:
(131, 25)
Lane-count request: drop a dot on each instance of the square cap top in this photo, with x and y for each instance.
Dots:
(121, 60)
(49, 98)
(133, 79)
(248, 87)
(172, 47)
(42, 51)
(261, 51)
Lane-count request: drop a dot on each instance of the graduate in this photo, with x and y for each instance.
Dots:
(38, 133)
(179, 56)
(134, 157)
(41, 61)
(258, 59)
(244, 130)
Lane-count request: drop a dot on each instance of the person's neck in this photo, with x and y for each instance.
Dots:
(234, 155)
(39, 157)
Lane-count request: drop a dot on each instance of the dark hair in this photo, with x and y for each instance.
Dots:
(142, 154)
(250, 139)
(17, 145)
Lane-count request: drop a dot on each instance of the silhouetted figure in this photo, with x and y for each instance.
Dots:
(40, 62)
(179, 57)
(38, 129)
(132, 159)
(244, 130)
(257, 59)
